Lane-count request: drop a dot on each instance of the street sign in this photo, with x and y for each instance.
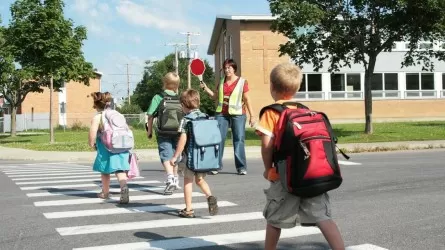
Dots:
(197, 67)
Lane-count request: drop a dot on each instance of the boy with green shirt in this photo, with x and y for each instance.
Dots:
(166, 141)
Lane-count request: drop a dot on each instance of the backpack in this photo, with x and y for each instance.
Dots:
(304, 151)
(169, 115)
(116, 135)
(203, 143)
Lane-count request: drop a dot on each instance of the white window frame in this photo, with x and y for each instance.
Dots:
(386, 94)
(310, 95)
(420, 93)
(350, 95)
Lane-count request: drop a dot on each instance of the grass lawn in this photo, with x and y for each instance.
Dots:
(346, 133)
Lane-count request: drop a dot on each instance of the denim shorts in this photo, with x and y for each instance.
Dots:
(166, 147)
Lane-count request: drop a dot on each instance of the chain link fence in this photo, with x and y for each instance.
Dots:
(40, 121)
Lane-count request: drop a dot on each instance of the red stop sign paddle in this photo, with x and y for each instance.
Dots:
(197, 67)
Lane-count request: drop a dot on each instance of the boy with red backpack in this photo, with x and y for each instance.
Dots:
(298, 151)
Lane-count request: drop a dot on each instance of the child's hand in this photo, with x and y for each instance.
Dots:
(202, 85)
(149, 135)
(173, 161)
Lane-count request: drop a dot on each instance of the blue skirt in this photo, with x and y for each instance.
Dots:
(108, 163)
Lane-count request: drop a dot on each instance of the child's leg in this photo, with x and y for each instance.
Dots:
(202, 184)
(122, 178)
(332, 234)
(272, 237)
(105, 183)
(211, 200)
(188, 189)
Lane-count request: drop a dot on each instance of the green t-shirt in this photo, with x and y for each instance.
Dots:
(157, 100)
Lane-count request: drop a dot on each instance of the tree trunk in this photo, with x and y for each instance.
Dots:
(13, 121)
(368, 95)
(51, 129)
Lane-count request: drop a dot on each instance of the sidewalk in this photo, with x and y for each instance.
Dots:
(252, 152)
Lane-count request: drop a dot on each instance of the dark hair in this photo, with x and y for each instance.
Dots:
(101, 100)
(230, 62)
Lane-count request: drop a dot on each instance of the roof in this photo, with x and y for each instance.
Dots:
(220, 21)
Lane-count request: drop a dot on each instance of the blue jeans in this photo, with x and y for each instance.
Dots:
(238, 125)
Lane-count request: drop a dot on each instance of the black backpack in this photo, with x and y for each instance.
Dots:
(169, 115)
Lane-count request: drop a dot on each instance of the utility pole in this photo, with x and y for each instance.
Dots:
(189, 57)
(176, 45)
(128, 85)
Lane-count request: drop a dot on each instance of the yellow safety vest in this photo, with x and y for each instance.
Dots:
(235, 99)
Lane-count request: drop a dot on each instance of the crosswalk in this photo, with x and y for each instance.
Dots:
(66, 195)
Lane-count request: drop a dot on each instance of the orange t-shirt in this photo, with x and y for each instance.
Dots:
(266, 127)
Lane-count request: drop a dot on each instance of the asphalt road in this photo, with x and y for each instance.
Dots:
(387, 201)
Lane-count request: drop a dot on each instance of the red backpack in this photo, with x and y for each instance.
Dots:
(304, 151)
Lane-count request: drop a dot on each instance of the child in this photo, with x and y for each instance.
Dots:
(166, 144)
(283, 209)
(190, 104)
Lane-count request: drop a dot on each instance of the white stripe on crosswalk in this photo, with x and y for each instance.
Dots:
(206, 241)
(64, 181)
(80, 192)
(49, 171)
(43, 168)
(348, 163)
(56, 177)
(129, 210)
(111, 199)
(127, 226)
(55, 174)
(365, 247)
(82, 185)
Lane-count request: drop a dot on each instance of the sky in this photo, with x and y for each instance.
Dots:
(131, 32)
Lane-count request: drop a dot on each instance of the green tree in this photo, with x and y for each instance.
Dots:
(48, 45)
(343, 32)
(151, 83)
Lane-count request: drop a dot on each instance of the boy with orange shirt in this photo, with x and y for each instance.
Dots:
(283, 209)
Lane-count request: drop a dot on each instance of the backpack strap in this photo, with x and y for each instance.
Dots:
(281, 107)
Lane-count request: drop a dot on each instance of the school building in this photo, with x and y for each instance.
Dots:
(72, 105)
(398, 93)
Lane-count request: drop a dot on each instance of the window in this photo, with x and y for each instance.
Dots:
(420, 85)
(345, 82)
(425, 46)
(443, 81)
(226, 50)
(311, 87)
(384, 85)
(230, 47)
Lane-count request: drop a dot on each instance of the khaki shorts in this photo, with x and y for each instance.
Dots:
(285, 210)
(186, 172)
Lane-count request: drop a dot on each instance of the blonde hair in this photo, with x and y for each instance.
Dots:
(101, 100)
(190, 99)
(285, 78)
(171, 81)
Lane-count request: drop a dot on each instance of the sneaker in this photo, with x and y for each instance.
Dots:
(242, 172)
(169, 186)
(125, 196)
(213, 205)
(214, 172)
(176, 183)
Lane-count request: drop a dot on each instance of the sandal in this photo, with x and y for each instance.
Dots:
(125, 196)
(103, 195)
(213, 205)
(186, 214)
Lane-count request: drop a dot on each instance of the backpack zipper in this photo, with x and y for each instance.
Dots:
(298, 124)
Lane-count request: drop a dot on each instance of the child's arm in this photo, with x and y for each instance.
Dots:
(149, 127)
(93, 131)
(266, 153)
(179, 148)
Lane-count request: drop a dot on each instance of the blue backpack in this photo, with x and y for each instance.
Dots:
(203, 142)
